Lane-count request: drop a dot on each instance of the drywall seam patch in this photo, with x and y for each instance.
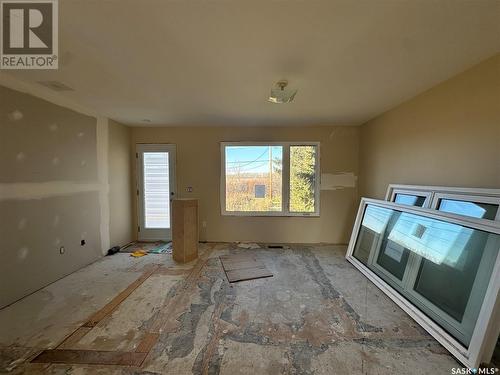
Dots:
(335, 181)
(103, 177)
(40, 190)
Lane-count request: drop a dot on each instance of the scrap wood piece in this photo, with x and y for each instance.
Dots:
(90, 357)
(239, 263)
(248, 274)
(241, 267)
(238, 258)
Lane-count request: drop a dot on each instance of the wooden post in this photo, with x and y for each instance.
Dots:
(184, 230)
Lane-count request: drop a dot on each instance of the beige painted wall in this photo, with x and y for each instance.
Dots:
(120, 184)
(198, 165)
(449, 135)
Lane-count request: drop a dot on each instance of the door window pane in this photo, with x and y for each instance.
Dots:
(479, 210)
(409, 199)
(302, 178)
(254, 178)
(156, 190)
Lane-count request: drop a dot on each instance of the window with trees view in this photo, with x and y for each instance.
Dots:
(275, 179)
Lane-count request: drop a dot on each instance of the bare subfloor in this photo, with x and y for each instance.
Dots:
(317, 315)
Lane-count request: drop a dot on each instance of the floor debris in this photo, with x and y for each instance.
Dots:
(248, 245)
(240, 267)
(114, 250)
(139, 253)
(164, 248)
(156, 247)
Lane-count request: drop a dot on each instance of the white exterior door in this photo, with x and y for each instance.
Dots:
(155, 190)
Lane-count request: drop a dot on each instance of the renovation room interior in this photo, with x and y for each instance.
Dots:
(253, 187)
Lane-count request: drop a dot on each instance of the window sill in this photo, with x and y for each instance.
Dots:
(270, 214)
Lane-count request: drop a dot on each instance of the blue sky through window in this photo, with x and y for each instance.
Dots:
(250, 159)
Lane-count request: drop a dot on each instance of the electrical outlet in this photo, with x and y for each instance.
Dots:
(62, 250)
(189, 189)
(204, 224)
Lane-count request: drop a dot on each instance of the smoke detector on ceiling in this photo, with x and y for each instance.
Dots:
(55, 85)
(282, 94)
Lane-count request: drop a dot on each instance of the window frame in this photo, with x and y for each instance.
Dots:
(435, 193)
(481, 342)
(285, 181)
(438, 196)
(419, 193)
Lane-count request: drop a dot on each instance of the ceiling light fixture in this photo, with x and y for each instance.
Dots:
(281, 94)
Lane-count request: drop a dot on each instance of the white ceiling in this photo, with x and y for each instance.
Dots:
(212, 62)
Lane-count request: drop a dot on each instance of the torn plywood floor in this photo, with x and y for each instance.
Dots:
(316, 315)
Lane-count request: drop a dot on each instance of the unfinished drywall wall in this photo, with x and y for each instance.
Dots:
(53, 192)
(43, 142)
(449, 135)
(198, 166)
(120, 183)
(33, 232)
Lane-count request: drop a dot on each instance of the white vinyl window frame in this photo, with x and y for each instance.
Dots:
(285, 181)
(435, 193)
(481, 344)
(437, 197)
(419, 193)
